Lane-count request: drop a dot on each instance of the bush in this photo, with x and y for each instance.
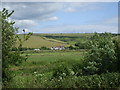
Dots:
(108, 80)
(82, 45)
(44, 48)
(71, 47)
(62, 71)
(117, 50)
(101, 57)
(77, 68)
(105, 81)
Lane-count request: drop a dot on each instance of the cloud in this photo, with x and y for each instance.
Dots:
(41, 10)
(79, 29)
(81, 6)
(30, 14)
(69, 9)
(25, 23)
(60, 1)
(54, 18)
(28, 10)
(113, 20)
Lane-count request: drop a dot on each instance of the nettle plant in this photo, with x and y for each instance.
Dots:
(101, 57)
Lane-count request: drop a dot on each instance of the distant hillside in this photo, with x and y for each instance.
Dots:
(70, 38)
(65, 34)
(37, 42)
(57, 39)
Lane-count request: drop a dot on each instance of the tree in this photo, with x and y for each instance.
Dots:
(101, 57)
(81, 45)
(9, 38)
(117, 50)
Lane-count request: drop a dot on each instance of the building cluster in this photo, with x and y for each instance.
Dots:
(58, 48)
(53, 48)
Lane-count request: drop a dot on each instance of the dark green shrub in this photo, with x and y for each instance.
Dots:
(108, 80)
(71, 47)
(62, 71)
(117, 50)
(81, 45)
(101, 57)
(44, 48)
(77, 68)
(103, 81)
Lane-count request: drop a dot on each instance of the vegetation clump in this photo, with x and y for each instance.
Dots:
(9, 38)
(101, 57)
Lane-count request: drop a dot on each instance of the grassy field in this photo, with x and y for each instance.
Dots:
(70, 38)
(41, 65)
(56, 39)
(37, 42)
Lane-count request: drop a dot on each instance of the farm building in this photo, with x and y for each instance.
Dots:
(58, 48)
(36, 49)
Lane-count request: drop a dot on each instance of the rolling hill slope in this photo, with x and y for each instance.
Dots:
(37, 42)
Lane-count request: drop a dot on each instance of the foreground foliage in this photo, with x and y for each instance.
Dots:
(102, 56)
(9, 38)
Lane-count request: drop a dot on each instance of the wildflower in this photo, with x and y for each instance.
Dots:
(35, 72)
(72, 73)
(60, 77)
(64, 74)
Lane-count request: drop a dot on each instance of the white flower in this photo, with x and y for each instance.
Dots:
(60, 77)
(35, 72)
(64, 74)
(72, 73)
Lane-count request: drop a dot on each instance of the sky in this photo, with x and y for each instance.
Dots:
(64, 17)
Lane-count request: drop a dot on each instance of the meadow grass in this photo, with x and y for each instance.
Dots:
(39, 67)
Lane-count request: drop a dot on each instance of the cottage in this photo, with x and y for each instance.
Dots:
(58, 48)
